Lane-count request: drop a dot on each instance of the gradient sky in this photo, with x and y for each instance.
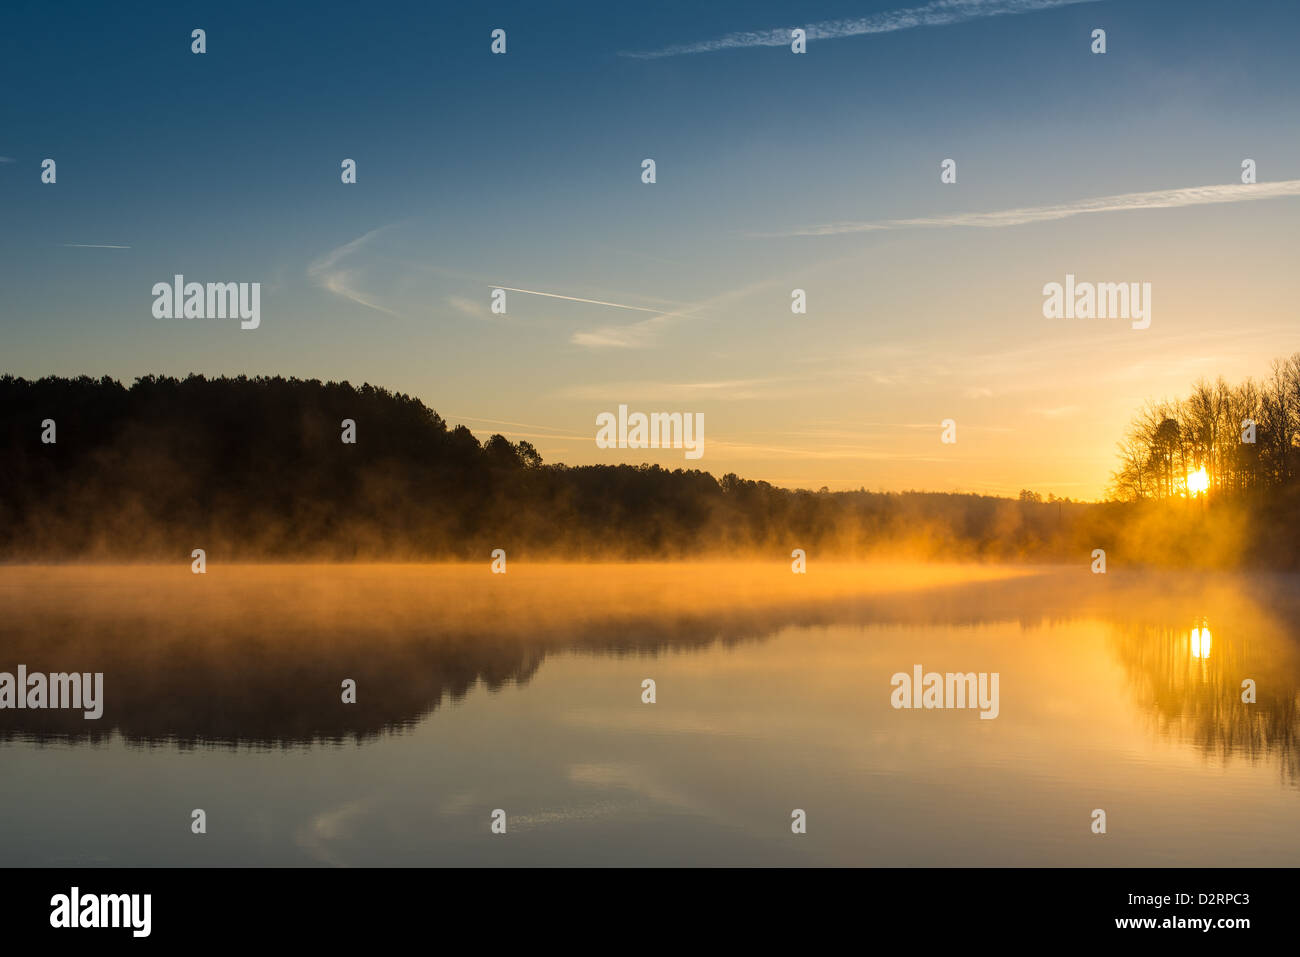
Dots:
(523, 170)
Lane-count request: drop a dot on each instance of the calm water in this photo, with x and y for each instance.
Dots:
(523, 692)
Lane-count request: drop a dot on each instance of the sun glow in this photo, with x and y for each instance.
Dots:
(1201, 641)
(1198, 482)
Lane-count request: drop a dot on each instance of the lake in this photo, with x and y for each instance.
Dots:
(773, 692)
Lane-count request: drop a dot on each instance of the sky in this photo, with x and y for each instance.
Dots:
(775, 171)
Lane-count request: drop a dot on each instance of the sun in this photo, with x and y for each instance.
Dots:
(1198, 482)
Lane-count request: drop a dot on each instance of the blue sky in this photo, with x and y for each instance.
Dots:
(523, 170)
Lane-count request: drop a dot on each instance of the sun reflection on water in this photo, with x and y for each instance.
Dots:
(1201, 641)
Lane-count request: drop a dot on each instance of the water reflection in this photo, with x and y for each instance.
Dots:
(1201, 641)
(1230, 692)
(256, 658)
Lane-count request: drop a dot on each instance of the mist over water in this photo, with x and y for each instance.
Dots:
(523, 692)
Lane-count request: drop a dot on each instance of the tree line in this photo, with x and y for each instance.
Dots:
(255, 469)
(1245, 438)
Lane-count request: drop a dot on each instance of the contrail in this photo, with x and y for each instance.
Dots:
(93, 246)
(936, 14)
(594, 302)
(1157, 199)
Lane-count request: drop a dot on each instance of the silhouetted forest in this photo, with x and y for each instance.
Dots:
(1238, 439)
(254, 468)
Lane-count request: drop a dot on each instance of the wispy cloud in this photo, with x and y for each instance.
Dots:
(92, 246)
(1123, 202)
(641, 334)
(594, 302)
(469, 307)
(636, 336)
(936, 14)
(7, 159)
(327, 273)
(721, 390)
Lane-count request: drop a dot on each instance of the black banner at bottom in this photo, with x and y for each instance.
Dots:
(140, 906)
